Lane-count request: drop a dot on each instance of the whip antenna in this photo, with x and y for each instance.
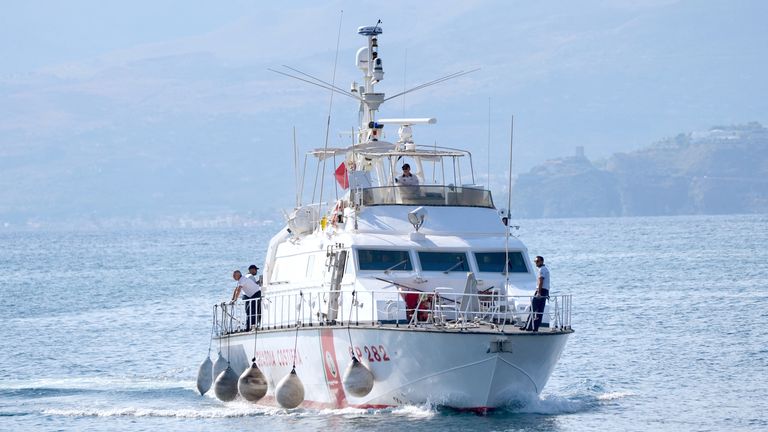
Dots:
(330, 104)
(299, 176)
(488, 172)
(509, 201)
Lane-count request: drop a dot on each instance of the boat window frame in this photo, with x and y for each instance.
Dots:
(466, 268)
(410, 261)
(519, 253)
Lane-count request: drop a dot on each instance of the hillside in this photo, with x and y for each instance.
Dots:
(722, 170)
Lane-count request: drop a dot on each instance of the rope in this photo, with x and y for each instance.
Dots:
(298, 324)
(349, 323)
(255, 339)
(229, 336)
(213, 326)
(223, 314)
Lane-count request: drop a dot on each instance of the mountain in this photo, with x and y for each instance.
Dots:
(722, 170)
(147, 111)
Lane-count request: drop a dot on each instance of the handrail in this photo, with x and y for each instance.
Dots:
(424, 195)
(438, 309)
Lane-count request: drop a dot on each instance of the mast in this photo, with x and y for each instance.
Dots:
(369, 62)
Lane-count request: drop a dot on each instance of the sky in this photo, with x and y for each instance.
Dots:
(145, 108)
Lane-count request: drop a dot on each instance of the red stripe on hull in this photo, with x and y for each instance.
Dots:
(332, 371)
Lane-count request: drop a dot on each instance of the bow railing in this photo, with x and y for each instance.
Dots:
(440, 308)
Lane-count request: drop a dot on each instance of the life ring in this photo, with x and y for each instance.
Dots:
(424, 307)
(418, 303)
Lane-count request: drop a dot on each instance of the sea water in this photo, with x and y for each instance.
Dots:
(105, 330)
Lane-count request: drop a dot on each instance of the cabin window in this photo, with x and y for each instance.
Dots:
(444, 261)
(494, 262)
(374, 259)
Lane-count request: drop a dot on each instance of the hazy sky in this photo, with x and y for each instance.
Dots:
(184, 84)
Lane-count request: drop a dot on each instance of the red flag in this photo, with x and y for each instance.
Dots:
(341, 176)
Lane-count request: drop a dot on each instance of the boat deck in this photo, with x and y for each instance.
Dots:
(473, 327)
(489, 314)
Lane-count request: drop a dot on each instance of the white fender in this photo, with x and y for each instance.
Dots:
(290, 391)
(358, 379)
(252, 384)
(225, 386)
(205, 375)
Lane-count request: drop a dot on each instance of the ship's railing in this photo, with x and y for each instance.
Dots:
(437, 309)
(430, 195)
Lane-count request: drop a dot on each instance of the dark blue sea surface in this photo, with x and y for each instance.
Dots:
(105, 330)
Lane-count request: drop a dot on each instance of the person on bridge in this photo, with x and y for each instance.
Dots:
(407, 178)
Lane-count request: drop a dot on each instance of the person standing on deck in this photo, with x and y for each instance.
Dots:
(249, 289)
(252, 270)
(539, 300)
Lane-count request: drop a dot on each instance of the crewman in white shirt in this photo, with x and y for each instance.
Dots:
(539, 301)
(250, 290)
(252, 275)
(409, 183)
(407, 178)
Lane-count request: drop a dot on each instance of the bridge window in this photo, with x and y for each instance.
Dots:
(494, 262)
(444, 261)
(374, 259)
(425, 195)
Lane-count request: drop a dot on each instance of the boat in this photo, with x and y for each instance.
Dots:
(421, 289)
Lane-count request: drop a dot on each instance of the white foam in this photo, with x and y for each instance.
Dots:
(409, 411)
(98, 383)
(349, 412)
(238, 409)
(212, 412)
(144, 412)
(552, 405)
(415, 411)
(614, 395)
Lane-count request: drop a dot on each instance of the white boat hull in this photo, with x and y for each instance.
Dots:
(476, 369)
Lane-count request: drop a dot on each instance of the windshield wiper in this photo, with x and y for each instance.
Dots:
(461, 262)
(396, 265)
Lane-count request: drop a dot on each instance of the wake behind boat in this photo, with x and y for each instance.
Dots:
(407, 289)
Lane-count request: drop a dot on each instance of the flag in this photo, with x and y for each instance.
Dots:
(341, 176)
